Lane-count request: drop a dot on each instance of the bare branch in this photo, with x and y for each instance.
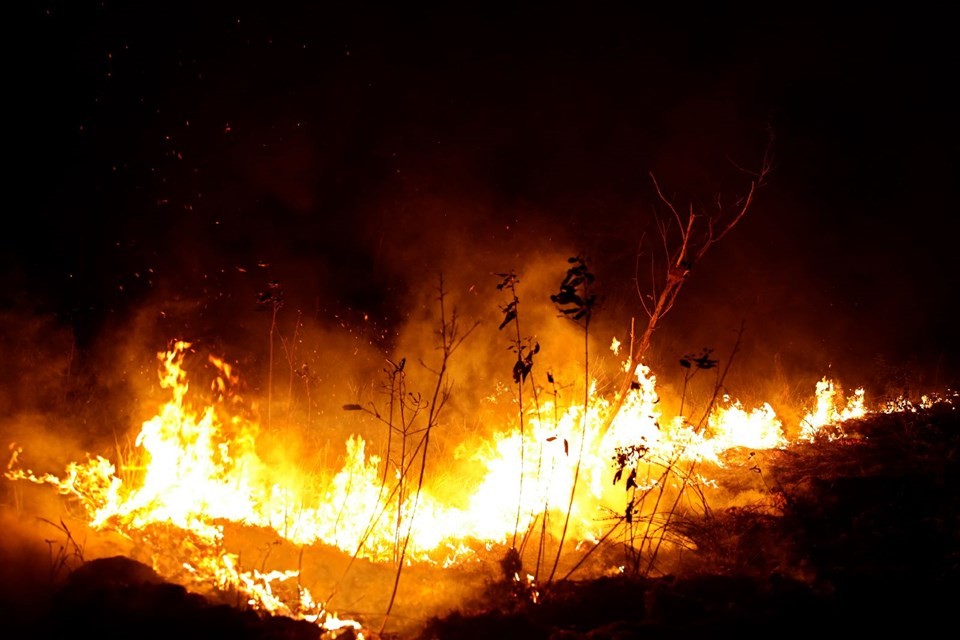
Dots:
(701, 229)
(665, 200)
(653, 289)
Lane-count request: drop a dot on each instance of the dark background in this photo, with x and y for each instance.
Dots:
(169, 154)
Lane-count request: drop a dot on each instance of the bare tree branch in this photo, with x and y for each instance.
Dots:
(698, 231)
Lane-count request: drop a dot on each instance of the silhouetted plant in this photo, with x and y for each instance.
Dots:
(270, 299)
(692, 364)
(576, 301)
(296, 369)
(410, 420)
(65, 556)
(525, 348)
(647, 528)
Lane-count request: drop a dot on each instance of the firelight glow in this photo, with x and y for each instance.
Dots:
(197, 467)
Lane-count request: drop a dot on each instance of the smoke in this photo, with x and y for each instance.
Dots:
(314, 200)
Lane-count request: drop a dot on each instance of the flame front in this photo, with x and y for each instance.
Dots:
(831, 410)
(197, 468)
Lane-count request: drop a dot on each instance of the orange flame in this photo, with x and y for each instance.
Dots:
(199, 467)
(831, 409)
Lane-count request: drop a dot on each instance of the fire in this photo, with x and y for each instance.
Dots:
(831, 410)
(734, 427)
(197, 468)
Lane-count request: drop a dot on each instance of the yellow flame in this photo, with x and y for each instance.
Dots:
(830, 409)
(198, 467)
(733, 426)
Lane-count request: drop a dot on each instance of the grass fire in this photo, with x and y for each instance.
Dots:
(328, 322)
(557, 500)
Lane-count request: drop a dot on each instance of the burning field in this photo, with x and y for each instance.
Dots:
(554, 521)
(328, 322)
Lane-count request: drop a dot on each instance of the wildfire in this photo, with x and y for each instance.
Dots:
(197, 468)
(831, 410)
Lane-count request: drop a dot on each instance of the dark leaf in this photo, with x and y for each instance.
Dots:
(508, 317)
(705, 362)
(352, 407)
(632, 480)
(522, 368)
(508, 281)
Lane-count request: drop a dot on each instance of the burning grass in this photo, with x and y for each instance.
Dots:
(864, 540)
(197, 500)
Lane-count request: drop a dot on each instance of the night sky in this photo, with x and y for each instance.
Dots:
(179, 156)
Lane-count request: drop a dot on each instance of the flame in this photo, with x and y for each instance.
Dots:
(831, 409)
(734, 426)
(197, 468)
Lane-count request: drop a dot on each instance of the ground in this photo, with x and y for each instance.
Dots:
(867, 539)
